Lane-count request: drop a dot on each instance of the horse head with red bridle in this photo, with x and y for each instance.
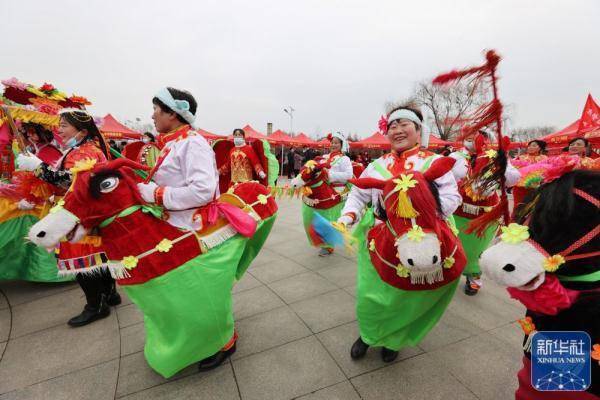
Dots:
(414, 248)
(104, 197)
(318, 192)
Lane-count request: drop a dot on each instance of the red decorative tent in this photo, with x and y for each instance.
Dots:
(113, 129)
(303, 140)
(280, 137)
(209, 135)
(252, 134)
(375, 141)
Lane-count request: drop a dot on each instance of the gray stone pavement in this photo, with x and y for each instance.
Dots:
(295, 315)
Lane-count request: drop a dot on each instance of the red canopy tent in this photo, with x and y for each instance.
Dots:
(113, 129)
(252, 134)
(303, 140)
(279, 137)
(375, 141)
(437, 143)
(209, 135)
(324, 143)
(562, 137)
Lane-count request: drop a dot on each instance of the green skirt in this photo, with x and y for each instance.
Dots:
(473, 244)
(23, 260)
(391, 317)
(188, 313)
(330, 214)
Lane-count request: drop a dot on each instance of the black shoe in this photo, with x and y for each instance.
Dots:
(359, 349)
(90, 314)
(471, 288)
(388, 355)
(215, 360)
(114, 299)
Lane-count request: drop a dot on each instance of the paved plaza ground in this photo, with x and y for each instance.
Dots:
(295, 315)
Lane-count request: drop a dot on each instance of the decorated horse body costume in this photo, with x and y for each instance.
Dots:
(410, 261)
(320, 195)
(181, 280)
(551, 264)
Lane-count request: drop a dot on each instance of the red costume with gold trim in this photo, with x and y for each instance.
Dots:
(244, 165)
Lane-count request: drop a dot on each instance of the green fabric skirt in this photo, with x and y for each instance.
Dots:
(23, 260)
(391, 317)
(330, 214)
(188, 313)
(473, 244)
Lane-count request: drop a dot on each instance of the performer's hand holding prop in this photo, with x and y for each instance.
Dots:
(345, 220)
(262, 175)
(28, 163)
(147, 191)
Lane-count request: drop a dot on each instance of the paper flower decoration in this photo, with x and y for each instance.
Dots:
(262, 199)
(402, 271)
(415, 233)
(79, 100)
(383, 124)
(596, 352)
(57, 207)
(130, 262)
(15, 83)
(164, 246)
(527, 325)
(83, 165)
(491, 153)
(404, 183)
(448, 262)
(514, 233)
(47, 87)
(552, 263)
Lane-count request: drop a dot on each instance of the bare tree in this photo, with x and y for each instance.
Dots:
(447, 108)
(530, 133)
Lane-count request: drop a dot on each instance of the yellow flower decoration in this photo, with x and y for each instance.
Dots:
(404, 183)
(83, 165)
(164, 246)
(415, 233)
(372, 245)
(491, 153)
(449, 262)
(402, 271)
(262, 199)
(130, 262)
(514, 233)
(311, 164)
(57, 207)
(552, 263)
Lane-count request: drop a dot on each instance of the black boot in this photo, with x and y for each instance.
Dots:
(91, 314)
(388, 355)
(113, 298)
(215, 360)
(471, 287)
(359, 349)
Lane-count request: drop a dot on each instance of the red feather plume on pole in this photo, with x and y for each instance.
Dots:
(486, 115)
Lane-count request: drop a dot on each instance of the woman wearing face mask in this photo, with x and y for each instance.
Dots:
(82, 141)
(390, 317)
(338, 167)
(244, 164)
(470, 209)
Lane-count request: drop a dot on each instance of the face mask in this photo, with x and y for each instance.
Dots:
(238, 141)
(71, 143)
(469, 145)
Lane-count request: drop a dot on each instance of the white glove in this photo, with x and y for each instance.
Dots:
(27, 163)
(297, 182)
(346, 220)
(147, 191)
(25, 205)
(262, 175)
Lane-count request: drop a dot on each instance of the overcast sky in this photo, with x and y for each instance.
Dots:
(335, 62)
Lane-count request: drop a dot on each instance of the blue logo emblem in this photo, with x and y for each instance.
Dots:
(560, 361)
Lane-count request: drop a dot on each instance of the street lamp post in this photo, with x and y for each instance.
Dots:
(290, 111)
